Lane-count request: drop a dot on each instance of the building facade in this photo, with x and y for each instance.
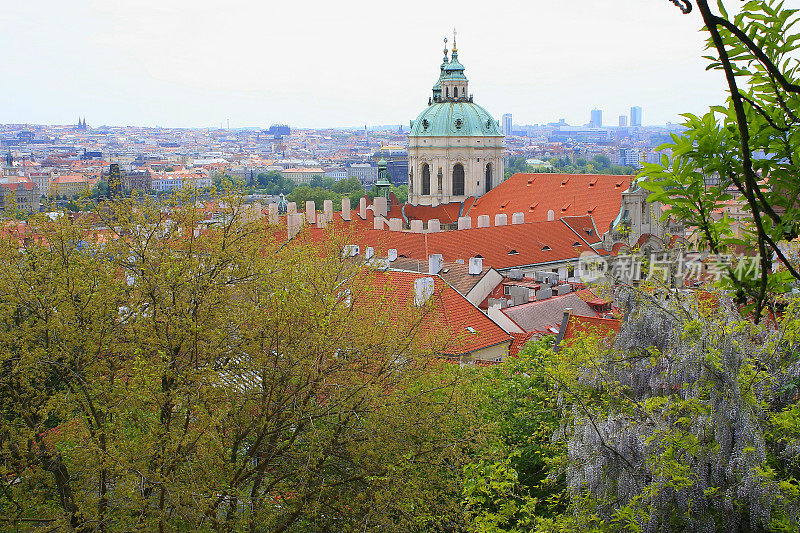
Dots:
(455, 148)
(636, 116)
(508, 124)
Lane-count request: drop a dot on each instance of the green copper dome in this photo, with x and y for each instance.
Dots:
(455, 119)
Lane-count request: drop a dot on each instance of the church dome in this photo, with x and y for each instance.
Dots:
(455, 119)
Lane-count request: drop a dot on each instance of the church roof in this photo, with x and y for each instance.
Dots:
(455, 119)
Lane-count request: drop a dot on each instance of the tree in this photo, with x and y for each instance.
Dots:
(744, 151)
(161, 375)
(684, 424)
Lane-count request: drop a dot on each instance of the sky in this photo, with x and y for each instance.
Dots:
(252, 63)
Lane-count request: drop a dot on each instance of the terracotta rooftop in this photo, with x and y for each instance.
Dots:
(563, 194)
(541, 316)
(470, 329)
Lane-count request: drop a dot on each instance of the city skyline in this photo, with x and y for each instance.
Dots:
(186, 65)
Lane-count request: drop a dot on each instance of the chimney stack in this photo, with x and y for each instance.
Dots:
(475, 265)
(435, 263)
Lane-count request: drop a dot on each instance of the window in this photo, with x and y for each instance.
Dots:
(488, 177)
(455, 92)
(426, 179)
(458, 180)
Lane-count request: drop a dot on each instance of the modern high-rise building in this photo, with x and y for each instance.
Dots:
(636, 116)
(596, 120)
(623, 121)
(507, 124)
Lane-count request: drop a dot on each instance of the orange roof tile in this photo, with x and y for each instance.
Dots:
(564, 194)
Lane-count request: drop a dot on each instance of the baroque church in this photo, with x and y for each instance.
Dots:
(455, 148)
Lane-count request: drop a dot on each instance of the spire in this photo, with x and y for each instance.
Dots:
(455, 46)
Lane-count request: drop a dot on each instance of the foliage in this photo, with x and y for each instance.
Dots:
(744, 152)
(672, 429)
(274, 183)
(599, 164)
(159, 374)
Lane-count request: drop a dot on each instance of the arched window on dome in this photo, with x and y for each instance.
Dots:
(488, 177)
(447, 92)
(458, 180)
(426, 179)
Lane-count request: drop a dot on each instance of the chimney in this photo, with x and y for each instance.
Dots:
(294, 222)
(291, 208)
(377, 222)
(475, 265)
(368, 253)
(327, 208)
(434, 226)
(483, 221)
(395, 224)
(416, 226)
(362, 208)
(423, 290)
(500, 219)
(273, 213)
(322, 220)
(464, 223)
(391, 255)
(380, 207)
(345, 208)
(311, 211)
(518, 218)
(435, 263)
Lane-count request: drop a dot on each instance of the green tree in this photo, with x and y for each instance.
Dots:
(744, 150)
(161, 376)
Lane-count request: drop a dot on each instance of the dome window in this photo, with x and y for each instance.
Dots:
(459, 123)
(425, 123)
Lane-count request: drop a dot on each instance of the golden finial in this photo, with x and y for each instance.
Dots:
(455, 47)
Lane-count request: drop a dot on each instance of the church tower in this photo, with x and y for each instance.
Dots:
(455, 148)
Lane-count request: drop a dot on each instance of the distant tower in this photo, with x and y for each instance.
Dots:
(636, 116)
(384, 183)
(114, 181)
(596, 120)
(623, 121)
(507, 124)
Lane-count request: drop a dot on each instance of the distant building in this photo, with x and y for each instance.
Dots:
(507, 124)
(336, 173)
(302, 176)
(42, 180)
(366, 173)
(636, 116)
(623, 121)
(26, 195)
(69, 185)
(136, 180)
(596, 118)
(279, 130)
(630, 157)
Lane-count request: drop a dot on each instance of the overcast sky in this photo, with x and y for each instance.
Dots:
(198, 63)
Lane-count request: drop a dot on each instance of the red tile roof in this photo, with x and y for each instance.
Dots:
(564, 194)
(520, 340)
(452, 311)
(602, 327)
(500, 246)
